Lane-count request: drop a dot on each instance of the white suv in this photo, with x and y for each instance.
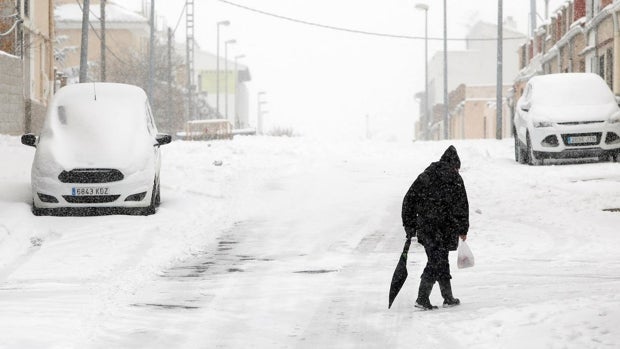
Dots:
(570, 115)
(98, 149)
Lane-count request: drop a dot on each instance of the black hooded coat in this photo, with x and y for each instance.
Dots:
(436, 205)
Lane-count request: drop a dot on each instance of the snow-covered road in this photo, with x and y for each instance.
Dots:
(292, 244)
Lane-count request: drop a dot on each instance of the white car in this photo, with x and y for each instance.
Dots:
(572, 115)
(98, 149)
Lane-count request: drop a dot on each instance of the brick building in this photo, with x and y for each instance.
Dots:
(580, 36)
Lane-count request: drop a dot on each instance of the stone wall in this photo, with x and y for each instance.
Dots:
(11, 95)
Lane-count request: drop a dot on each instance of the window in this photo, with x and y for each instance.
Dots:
(601, 66)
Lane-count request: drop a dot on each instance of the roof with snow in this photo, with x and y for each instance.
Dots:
(113, 13)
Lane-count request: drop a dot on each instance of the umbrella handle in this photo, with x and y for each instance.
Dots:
(407, 244)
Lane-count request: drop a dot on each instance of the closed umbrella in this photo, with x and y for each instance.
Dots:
(400, 274)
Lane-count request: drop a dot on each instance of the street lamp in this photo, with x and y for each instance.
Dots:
(226, 43)
(259, 113)
(238, 124)
(426, 119)
(217, 60)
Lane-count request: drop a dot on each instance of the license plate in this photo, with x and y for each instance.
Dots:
(89, 191)
(581, 139)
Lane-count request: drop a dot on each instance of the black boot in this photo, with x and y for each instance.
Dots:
(446, 293)
(423, 302)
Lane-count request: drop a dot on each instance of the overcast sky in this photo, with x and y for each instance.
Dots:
(321, 81)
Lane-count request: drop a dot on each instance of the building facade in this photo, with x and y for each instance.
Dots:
(27, 30)
(233, 91)
(580, 36)
(472, 71)
(123, 29)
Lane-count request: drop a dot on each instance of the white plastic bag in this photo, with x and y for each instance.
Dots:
(465, 257)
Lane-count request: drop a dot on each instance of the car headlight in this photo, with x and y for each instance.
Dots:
(543, 124)
(615, 118)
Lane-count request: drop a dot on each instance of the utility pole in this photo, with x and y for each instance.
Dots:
(84, 44)
(500, 59)
(217, 69)
(425, 118)
(445, 71)
(103, 44)
(152, 53)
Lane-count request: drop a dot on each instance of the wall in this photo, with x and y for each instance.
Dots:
(475, 115)
(11, 95)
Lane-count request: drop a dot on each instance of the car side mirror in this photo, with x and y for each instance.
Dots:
(163, 138)
(526, 106)
(29, 139)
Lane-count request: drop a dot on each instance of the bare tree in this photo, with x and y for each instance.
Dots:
(168, 108)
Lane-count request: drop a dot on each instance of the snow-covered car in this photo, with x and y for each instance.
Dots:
(571, 115)
(98, 148)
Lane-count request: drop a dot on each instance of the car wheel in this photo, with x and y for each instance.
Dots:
(516, 148)
(520, 155)
(40, 211)
(531, 158)
(158, 195)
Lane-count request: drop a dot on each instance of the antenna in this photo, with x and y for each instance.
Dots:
(95, 90)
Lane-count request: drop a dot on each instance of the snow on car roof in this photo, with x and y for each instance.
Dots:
(107, 106)
(104, 122)
(570, 89)
(93, 90)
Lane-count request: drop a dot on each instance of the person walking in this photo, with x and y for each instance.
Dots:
(436, 210)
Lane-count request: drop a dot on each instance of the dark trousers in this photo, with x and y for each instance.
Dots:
(437, 265)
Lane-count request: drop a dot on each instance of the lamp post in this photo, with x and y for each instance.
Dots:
(259, 113)
(425, 120)
(217, 64)
(226, 43)
(237, 123)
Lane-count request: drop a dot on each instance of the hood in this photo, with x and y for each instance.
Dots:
(451, 157)
(574, 113)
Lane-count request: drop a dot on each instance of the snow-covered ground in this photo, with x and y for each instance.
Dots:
(291, 243)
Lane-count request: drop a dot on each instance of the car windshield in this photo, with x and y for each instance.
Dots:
(105, 130)
(563, 92)
(99, 117)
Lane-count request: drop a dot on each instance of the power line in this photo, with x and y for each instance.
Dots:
(356, 31)
(179, 20)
